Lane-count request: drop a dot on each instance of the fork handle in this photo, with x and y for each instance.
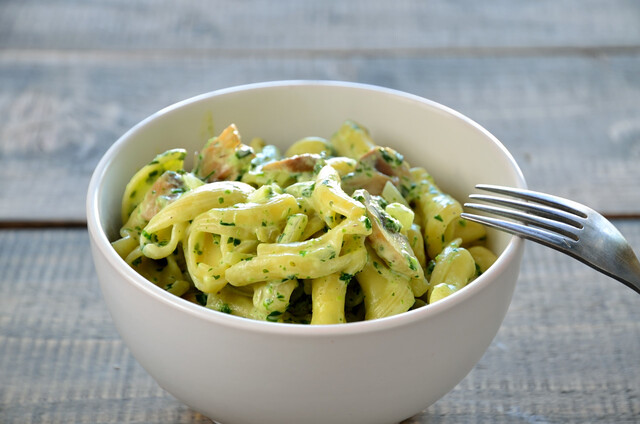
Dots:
(629, 276)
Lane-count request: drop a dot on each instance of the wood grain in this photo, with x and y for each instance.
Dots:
(361, 25)
(557, 82)
(572, 123)
(567, 351)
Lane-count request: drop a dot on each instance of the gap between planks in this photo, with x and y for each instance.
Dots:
(41, 225)
(28, 55)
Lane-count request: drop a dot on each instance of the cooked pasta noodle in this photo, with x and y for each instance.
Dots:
(336, 230)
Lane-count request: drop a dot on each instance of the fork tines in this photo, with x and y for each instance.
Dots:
(561, 224)
(537, 216)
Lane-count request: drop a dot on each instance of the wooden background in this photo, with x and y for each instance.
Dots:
(558, 82)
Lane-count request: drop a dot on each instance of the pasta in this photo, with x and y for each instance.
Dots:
(335, 230)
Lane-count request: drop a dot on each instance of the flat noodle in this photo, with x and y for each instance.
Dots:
(269, 237)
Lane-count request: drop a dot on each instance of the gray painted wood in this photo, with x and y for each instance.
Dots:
(566, 353)
(361, 25)
(573, 123)
(557, 82)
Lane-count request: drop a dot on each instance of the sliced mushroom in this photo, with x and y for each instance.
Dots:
(387, 240)
(167, 188)
(375, 169)
(224, 157)
(386, 161)
(305, 162)
(373, 182)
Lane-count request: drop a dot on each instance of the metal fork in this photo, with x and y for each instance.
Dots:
(561, 224)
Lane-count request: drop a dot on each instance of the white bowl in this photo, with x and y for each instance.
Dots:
(236, 370)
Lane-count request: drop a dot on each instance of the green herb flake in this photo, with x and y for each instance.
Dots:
(390, 223)
(412, 263)
(345, 277)
(386, 156)
(439, 218)
(307, 192)
(234, 241)
(274, 316)
(201, 298)
(430, 266)
(393, 159)
(209, 175)
(152, 175)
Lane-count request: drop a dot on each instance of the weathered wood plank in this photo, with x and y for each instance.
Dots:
(361, 25)
(573, 123)
(567, 351)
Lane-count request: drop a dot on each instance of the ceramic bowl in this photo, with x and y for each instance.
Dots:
(236, 370)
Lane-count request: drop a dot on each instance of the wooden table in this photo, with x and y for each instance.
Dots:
(557, 81)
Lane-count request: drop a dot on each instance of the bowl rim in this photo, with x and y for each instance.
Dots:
(103, 245)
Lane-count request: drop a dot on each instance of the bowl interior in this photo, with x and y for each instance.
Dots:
(455, 150)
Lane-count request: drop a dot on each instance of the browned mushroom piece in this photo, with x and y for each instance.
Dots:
(166, 189)
(305, 162)
(375, 168)
(224, 157)
(386, 161)
(372, 181)
(387, 240)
